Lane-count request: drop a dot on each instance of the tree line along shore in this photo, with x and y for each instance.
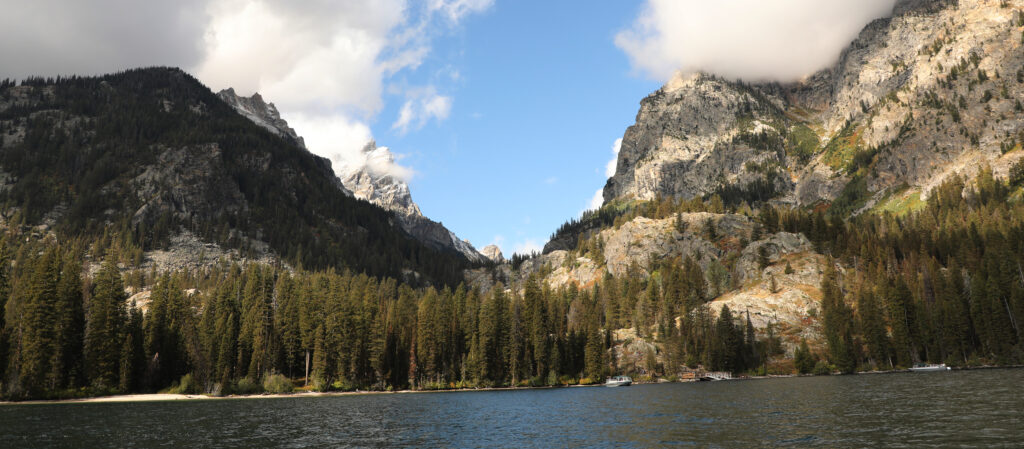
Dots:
(942, 285)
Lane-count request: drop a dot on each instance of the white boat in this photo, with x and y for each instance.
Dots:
(618, 381)
(924, 368)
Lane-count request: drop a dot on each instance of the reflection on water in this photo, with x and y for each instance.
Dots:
(964, 408)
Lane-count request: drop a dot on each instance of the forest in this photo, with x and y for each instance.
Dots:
(151, 153)
(941, 284)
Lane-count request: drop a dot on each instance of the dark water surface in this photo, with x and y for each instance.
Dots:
(960, 408)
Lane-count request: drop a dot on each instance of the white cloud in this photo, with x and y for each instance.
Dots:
(609, 168)
(381, 161)
(527, 246)
(323, 63)
(336, 137)
(551, 180)
(750, 39)
(316, 60)
(59, 37)
(499, 241)
(421, 106)
(455, 10)
(596, 201)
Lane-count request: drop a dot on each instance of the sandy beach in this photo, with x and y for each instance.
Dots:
(161, 397)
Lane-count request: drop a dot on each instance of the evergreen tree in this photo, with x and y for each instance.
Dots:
(803, 359)
(39, 347)
(105, 327)
(133, 356)
(164, 330)
(70, 329)
(838, 319)
(873, 327)
(5, 292)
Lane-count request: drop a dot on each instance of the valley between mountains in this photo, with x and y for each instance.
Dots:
(159, 236)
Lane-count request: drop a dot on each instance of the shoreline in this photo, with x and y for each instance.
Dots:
(171, 397)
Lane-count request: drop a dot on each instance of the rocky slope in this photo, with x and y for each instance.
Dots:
(931, 92)
(372, 181)
(783, 289)
(154, 158)
(261, 113)
(368, 180)
(493, 253)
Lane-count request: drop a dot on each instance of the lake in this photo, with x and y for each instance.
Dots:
(982, 408)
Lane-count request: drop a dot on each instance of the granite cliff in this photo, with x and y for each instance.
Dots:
(930, 92)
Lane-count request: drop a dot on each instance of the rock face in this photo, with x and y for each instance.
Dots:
(776, 247)
(267, 117)
(261, 113)
(776, 280)
(793, 305)
(691, 136)
(643, 239)
(493, 253)
(372, 181)
(369, 180)
(197, 181)
(198, 190)
(632, 246)
(931, 92)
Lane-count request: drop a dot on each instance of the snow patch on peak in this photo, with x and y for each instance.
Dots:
(378, 162)
(377, 179)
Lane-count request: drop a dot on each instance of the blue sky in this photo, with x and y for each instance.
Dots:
(537, 102)
(503, 112)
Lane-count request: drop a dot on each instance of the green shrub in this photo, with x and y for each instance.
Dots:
(319, 383)
(247, 385)
(823, 369)
(277, 384)
(186, 385)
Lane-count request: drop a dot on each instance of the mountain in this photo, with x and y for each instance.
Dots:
(493, 253)
(166, 167)
(373, 181)
(760, 190)
(261, 113)
(370, 179)
(931, 92)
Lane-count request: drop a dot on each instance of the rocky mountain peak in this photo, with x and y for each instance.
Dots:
(376, 178)
(373, 179)
(261, 113)
(493, 253)
(929, 93)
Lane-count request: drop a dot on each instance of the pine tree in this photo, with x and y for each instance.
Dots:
(133, 356)
(105, 327)
(837, 322)
(39, 346)
(803, 359)
(70, 328)
(164, 331)
(594, 355)
(872, 325)
(5, 292)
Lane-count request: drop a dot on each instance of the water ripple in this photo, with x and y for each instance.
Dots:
(965, 409)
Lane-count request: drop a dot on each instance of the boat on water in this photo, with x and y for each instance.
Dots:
(716, 375)
(928, 367)
(618, 381)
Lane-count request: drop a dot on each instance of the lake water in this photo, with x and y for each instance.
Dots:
(960, 408)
